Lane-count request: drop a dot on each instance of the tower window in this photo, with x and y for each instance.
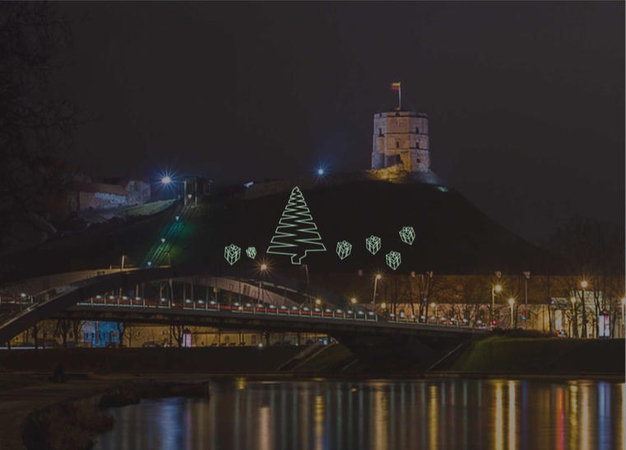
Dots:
(418, 160)
(397, 144)
(417, 144)
(417, 130)
(380, 131)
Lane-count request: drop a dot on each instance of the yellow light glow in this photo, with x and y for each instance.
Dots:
(383, 305)
(378, 276)
(497, 288)
(584, 283)
(353, 301)
(511, 301)
(318, 301)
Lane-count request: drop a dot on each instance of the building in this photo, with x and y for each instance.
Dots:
(401, 137)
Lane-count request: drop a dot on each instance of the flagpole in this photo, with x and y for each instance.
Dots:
(400, 97)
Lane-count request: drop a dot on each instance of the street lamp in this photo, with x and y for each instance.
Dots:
(497, 288)
(433, 305)
(169, 260)
(262, 269)
(526, 314)
(378, 277)
(511, 303)
(623, 318)
(318, 301)
(353, 300)
(574, 324)
(123, 258)
(584, 285)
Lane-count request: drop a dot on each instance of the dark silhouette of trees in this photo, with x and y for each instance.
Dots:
(33, 124)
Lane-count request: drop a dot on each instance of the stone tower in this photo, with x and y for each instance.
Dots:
(401, 137)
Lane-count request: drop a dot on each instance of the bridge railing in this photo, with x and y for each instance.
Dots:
(234, 307)
(270, 309)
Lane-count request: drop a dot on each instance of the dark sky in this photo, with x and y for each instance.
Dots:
(525, 100)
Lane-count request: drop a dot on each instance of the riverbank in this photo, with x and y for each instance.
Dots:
(66, 416)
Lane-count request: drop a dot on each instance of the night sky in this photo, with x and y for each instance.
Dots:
(525, 100)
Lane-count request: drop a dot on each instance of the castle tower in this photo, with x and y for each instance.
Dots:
(401, 137)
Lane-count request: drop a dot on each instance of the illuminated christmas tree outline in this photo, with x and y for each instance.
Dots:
(296, 221)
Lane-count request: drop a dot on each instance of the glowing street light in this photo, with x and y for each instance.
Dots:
(511, 303)
(584, 285)
(262, 269)
(494, 289)
(353, 300)
(624, 318)
(433, 305)
(166, 179)
(574, 324)
(169, 259)
(378, 277)
(318, 301)
(320, 171)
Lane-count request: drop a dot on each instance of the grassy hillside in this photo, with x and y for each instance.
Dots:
(499, 354)
(102, 245)
(453, 236)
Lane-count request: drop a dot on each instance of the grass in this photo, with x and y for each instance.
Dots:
(101, 246)
(147, 209)
(499, 354)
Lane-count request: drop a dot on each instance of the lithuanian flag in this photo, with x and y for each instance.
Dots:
(395, 86)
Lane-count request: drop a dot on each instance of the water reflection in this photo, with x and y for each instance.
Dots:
(381, 415)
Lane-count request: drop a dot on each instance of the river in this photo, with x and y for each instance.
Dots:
(379, 414)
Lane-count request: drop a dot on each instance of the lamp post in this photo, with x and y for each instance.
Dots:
(433, 305)
(494, 288)
(584, 285)
(378, 277)
(123, 259)
(624, 318)
(526, 314)
(262, 268)
(511, 303)
(169, 259)
(574, 324)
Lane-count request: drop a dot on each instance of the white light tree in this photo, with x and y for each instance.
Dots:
(296, 234)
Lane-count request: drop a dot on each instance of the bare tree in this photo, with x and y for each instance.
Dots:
(62, 329)
(593, 252)
(77, 326)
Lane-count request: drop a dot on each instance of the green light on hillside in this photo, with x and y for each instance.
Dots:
(442, 189)
(296, 234)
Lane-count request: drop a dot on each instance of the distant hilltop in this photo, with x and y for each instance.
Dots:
(394, 174)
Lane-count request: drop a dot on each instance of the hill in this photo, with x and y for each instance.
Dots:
(452, 235)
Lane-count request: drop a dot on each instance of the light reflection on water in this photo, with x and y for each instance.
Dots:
(381, 415)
